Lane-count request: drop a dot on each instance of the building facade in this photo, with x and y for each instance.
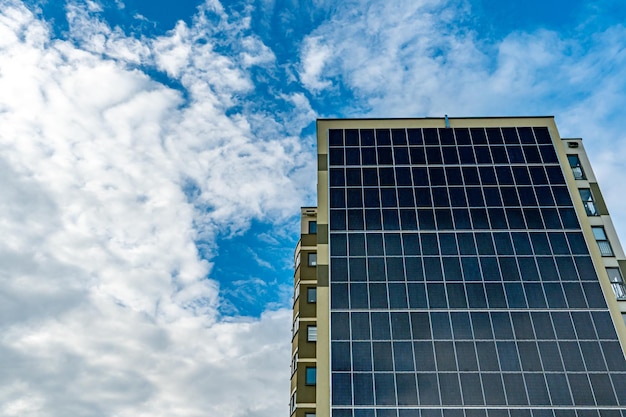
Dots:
(462, 267)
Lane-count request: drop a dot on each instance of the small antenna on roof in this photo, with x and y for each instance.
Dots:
(447, 122)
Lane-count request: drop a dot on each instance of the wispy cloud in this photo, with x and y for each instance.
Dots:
(107, 307)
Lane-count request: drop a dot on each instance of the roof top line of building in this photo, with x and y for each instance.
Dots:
(434, 118)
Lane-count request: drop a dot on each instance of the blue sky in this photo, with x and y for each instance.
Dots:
(154, 156)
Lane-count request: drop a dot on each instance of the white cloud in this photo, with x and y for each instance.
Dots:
(418, 58)
(105, 305)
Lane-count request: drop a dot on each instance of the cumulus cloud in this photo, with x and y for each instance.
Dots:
(420, 58)
(106, 306)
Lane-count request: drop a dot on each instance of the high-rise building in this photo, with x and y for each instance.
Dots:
(462, 267)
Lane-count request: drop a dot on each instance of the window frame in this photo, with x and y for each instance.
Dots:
(576, 166)
(311, 295)
(604, 244)
(310, 375)
(588, 202)
(617, 282)
(311, 333)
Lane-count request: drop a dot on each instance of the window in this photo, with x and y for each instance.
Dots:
(617, 282)
(309, 414)
(294, 363)
(297, 261)
(296, 292)
(590, 206)
(310, 376)
(313, 227)
(311, 295)
(292, 403)
(577, 169)
(312, 259)
(603, 241)
(311, 335)
(295, 327)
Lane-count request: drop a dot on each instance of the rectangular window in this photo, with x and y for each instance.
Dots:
(296, 262)
(295, 327)
(311, 334)
(590, 206)
(617, 282)
(294, 363)
(292, 403)
(310, 376)
(313, 227)
(577, 169)
(311, 295)
(312, 259)
(603, 241)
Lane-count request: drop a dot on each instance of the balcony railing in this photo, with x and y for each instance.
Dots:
(619, 289)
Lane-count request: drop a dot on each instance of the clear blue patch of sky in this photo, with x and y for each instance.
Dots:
(497, 18)
(254, 269)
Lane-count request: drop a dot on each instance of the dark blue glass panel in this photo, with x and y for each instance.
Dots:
(532, 154)
(400, 328)
(572, 358)
(462, 136)
(461, 325)
(515, 218)
(502, 325)
(529, 356)
(406, 197)
(335, 137)
(487, 358)
(554, 295)
(450, 389)
(353, 156)
(515, 394)
(417, 156)
(426, 219)
(406, 389)
(528, 269)
(561, 196)
(534, 295)
(388, 197)
(537, 391)
(436, 296)
(415, 136)
(433, 155)
(380, 326)
(494, 135)
(430, 136)
(339, 270)
(417, 296)
(376, 269)
(420, 323)
(461, 219)
(495, 295)
(548, 154)
(358, 296)
(357, 244)
(378, 296)
(337, 177)
(403, 356)
(391, 220)
(367, 137)
(595, 298)
(339, 325)
(456, 295)
(476, 296)
(395, 269)
(527, 196)
(581, 389)
(515, 154)
(550, 356)
(612, 355)
(507, 354)
(370, 177)
(515, 295)
(592, 355)
(497, 218)
(432, 269)
(361, 356)
(441, 326)
(374, 244)
(467, 246)
(544, 196)
(559, 391)
(444, 219)
(339, 296)
(601, 385)
(384, 389)
(482, 155)
(472, 392)
(360, 326)
(499, 155)
(538, 175)
(414, 271)
(453, 175)
(482, 325)
(586, 270)
(384, 155)
(428, 389)
(363, 390)
(522, 325)
(341, 393)
(489, 266)
(393, 245)
(450, 155)
(340, 356)
(466, 356)
(494, 391)
(424, 356)
(356, 267)
(452, 269)
(383, 359)
(355, 220)
(568, 218)
(371, 197)
(383, 137)
(397, 296)
(508, 266)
